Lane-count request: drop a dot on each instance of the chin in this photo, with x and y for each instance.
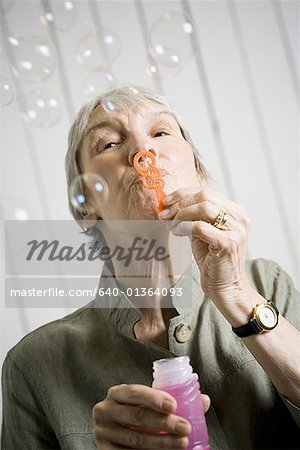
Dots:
(143, 205)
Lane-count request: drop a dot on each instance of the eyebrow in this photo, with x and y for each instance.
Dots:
(168, 113)
(103, 124)
(109, 124)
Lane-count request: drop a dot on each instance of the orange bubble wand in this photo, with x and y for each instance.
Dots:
(145, 164)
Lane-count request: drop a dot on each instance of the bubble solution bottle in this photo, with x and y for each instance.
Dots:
(175, 376)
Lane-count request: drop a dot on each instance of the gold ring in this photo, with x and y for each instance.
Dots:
(220, 220)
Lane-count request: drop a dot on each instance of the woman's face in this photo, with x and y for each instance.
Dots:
(110, 143)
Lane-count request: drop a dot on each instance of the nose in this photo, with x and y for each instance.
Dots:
(139, 146)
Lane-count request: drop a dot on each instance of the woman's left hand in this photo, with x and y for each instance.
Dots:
(219, 253)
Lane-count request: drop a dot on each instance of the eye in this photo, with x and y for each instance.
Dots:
(160, 134)
(110, 145)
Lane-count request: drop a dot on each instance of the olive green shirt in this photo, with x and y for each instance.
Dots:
(54, 376)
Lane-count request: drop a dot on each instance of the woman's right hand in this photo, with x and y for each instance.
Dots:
(132, 415)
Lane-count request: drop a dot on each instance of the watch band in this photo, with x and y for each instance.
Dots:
(248, 329)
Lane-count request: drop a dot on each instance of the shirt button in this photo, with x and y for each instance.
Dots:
(183, 332)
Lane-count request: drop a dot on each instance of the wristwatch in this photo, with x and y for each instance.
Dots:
(265, 318)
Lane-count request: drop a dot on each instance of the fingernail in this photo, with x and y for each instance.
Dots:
(182, 428)
(205, 402)
(168, 405)
(168, 199)
(181, 442)
(164, 213)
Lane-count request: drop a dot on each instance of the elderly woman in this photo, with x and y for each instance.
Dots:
(83, 382)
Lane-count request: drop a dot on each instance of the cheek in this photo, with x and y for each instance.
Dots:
(180, 150)
(181, 166)
(181, 157)
(97, 166)
(111, 171)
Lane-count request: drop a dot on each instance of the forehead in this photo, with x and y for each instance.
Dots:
(125, 114)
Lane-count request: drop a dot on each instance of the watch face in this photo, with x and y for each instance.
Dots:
(267, 316)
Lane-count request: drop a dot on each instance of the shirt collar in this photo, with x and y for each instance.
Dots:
(118, 308)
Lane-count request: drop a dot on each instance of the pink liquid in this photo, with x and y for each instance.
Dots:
(189, 406)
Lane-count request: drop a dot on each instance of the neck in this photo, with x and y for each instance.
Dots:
(142, 259)
(147, 261)
(154, 324)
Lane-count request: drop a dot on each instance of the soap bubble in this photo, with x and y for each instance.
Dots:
(7, 88)
(88, 192)
(5, 6)
(33, 57)
(40, 108)
(60, 15)
(98, 49)
(159, 71)
(166, 56)
(21, 214)
(6, 91)
(133, 90)
(111, 105)
(172, 36)
(13, 208)
(96, 82)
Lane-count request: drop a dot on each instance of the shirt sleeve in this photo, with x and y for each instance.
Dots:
(24, 425)
(287, 299)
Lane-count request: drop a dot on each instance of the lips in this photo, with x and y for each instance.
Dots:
(138, 179)
(163, 172)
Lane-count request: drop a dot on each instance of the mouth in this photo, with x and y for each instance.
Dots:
(163, 172)
(138, 179)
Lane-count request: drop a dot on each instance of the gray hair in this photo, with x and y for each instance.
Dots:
(124, 97)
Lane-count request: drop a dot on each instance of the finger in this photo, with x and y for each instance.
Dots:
(137, 394)
(104, 445)
(174, 196)
(139, 439)
(205, 402)
(184, 228)
(212, 236)
(136, 416)
(197, 211)
(206, 211)
(185, 197)
(215, 238)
